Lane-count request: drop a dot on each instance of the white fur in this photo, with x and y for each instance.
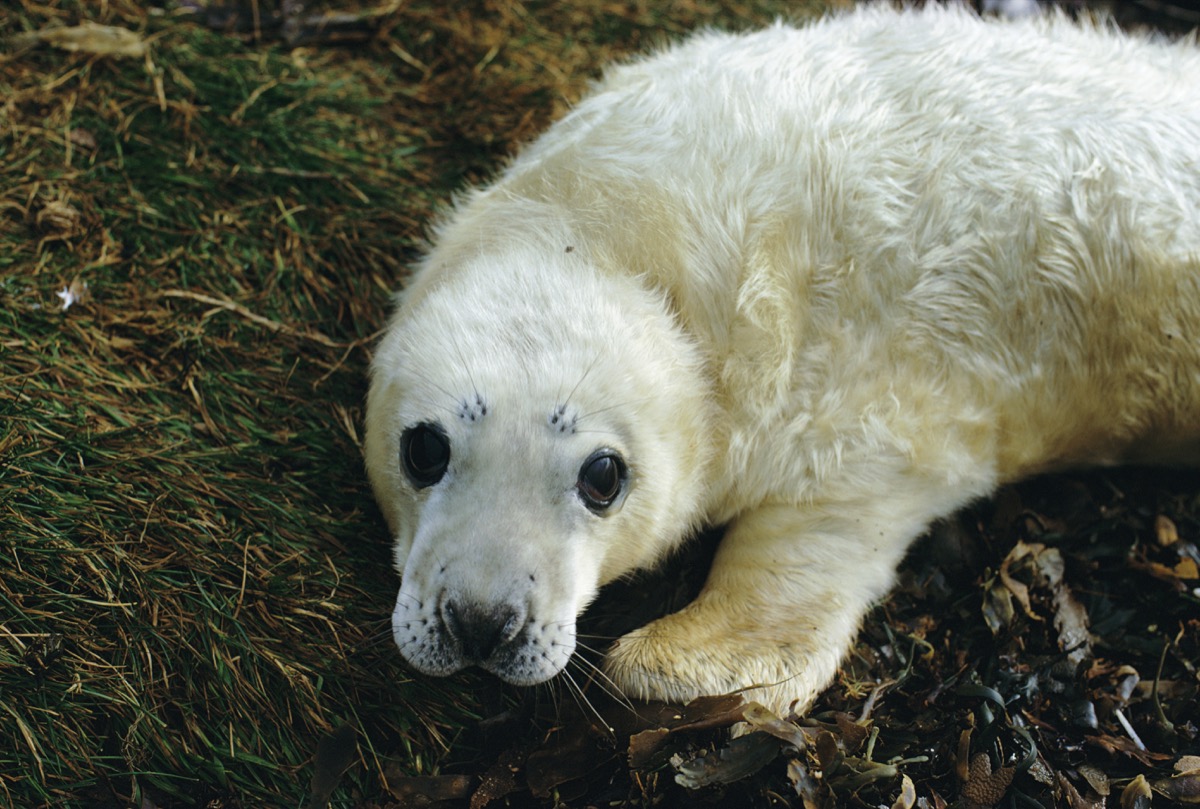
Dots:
(824, 284)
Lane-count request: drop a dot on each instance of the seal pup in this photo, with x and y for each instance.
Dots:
(823, 285)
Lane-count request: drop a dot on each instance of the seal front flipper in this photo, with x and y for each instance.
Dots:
(782, 604)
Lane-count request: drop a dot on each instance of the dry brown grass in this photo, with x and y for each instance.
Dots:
(195, 584)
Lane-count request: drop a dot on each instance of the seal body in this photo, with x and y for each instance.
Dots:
(824, 285)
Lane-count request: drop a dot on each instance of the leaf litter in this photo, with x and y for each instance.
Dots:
(1061, 704)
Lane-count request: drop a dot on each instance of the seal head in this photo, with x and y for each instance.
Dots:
(525, 442)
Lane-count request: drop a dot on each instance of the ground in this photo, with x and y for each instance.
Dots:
(203, 211)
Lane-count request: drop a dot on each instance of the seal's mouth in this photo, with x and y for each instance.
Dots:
(441, 636)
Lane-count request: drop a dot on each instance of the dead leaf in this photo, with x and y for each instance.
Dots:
(1165, 573)
(761, 719)
(99, 40)
(578, 746)
(1039, 770)
(828, 753)
(704, 713)
(428, 790)
(853, 733)
(1179, 788)
(1122, 744)
(908, 795)
(1019, 590)
(935, 801)
(1184, 785)
(1097, 779)
(645, 746)
(814, 793)
(1187, 569)
(1165, 530)
(997, 606)
(335, 752)
(1136, 795)
(962, 760)
(570, 753)
(499, 781)
(743, 756)
(1070, 618)
(1075, 800)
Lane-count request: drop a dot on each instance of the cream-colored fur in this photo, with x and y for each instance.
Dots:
(825, 285)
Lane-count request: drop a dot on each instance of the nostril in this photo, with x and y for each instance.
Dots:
(480, 630)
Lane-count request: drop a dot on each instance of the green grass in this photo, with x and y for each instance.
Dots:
(195, 584)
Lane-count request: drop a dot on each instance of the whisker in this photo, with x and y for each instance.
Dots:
(583, 702)
(552, 688)
(454, 398)
(597, 675)
(605, 638)
(615, 406)
(462, 361)
(580, 645)
(557, 686)
(431, 405)
(412, 598)
(584, 376)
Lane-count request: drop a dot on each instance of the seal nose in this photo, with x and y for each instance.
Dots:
(480, 630)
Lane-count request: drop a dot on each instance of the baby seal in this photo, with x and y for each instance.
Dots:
(823, 285)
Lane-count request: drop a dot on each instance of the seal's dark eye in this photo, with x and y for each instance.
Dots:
(425, 453)
(600, 479)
